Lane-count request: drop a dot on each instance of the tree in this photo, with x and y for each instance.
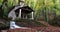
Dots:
(1, 10)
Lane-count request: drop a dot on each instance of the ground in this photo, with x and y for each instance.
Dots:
(48, 28)
(36, 29)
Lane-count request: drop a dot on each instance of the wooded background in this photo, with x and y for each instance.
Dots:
(47, 10)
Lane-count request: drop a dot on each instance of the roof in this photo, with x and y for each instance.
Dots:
(25, 9)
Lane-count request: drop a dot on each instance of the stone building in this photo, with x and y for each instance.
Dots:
(21, 11)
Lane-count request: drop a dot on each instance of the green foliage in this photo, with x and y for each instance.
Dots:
(42, 8)
(10, 3)
(51, 7)
(6, 5)
(34, 4)
(1, 2)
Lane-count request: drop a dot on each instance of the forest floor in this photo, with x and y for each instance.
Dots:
(36, 29)
(48, 28)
